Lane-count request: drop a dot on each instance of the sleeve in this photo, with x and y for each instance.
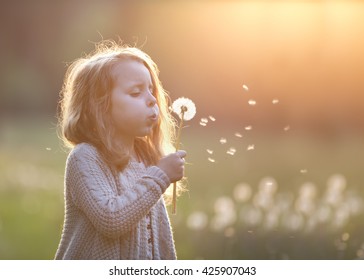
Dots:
(92, 190)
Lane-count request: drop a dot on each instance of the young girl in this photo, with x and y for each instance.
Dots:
(114, 115)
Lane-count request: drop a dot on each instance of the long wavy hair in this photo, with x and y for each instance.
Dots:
(85, 107)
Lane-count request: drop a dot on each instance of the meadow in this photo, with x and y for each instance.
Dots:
(283, 195)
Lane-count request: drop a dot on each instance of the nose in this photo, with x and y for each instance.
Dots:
(151, 101)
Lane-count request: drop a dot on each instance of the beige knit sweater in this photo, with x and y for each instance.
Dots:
(114, 216)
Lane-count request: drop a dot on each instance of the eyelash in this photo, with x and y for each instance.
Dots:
(136, 93)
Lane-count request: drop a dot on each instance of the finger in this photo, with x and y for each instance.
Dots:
(181, 153)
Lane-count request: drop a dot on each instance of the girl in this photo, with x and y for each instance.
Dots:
(114, 115)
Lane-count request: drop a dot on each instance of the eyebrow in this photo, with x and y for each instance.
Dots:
(140, 85)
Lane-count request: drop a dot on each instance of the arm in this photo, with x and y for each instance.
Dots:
(92, 190)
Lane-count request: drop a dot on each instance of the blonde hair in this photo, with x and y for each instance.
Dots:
(85, 107)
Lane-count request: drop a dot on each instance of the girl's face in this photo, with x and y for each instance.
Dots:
(134, 110)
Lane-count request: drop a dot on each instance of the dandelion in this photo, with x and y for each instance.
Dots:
(223, 140)
(212, 118)
(186, 110)
(252, 102)
(242, 192)
(345, 236)
(237, 134)
(197, 221)
(245, 87)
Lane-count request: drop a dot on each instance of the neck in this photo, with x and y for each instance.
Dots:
(127, 144)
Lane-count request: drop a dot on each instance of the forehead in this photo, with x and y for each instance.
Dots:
(131, 71)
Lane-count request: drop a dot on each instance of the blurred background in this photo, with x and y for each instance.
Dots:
(275, 152)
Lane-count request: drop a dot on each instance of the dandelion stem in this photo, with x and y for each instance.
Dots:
(174, 198)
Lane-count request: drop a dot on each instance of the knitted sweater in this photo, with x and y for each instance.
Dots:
(111, 216)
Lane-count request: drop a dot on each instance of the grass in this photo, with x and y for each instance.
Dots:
(31, 194)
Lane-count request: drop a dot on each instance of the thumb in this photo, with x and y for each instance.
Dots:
(181, 153)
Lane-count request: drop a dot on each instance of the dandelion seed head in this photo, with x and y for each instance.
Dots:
(345, 236)
(252, 102)
(268, 186)
(229, 232)
(293, 221)
(360, 253)
(249, 127)
(224, 204)
(336, 183)
(223, 140)
(245, 87)
(212, 118)
(251, 215)
(197, 220)
(242, 192)
(251, 147)
(237, 134)
(186, 106)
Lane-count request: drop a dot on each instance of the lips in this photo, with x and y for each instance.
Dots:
(153, 117)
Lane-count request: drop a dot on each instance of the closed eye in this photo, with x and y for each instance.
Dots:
(135, 93)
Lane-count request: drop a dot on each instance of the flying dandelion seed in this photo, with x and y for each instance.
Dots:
(210, 151)
(204, 121)
(251, 147)
(212, 118)
(303, 171)
(223, 140)
(237, 134)
(275, 101)
(286, 128)
(210, 159)
(245, 87)
(48, 149)
(249, 127)
(231, 151)
(252, 102)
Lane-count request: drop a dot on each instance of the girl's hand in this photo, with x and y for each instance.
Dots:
(173, 165)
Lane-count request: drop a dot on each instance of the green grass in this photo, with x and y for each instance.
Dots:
(31, 193)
